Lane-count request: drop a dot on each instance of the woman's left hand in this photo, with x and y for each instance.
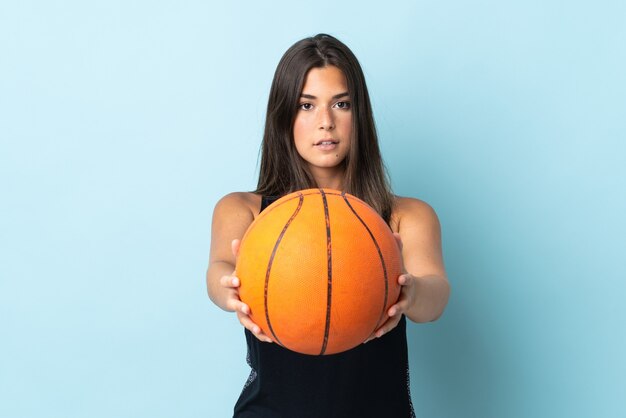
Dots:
(407, 290)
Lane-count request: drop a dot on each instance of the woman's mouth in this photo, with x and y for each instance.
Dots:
(326, 145)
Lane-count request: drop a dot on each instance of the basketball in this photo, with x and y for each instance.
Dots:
(319, 270)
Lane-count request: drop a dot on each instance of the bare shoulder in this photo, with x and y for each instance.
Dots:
(409, 212)
(232, 216)
(239, 204)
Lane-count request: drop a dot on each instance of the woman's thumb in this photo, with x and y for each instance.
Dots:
(234, 245)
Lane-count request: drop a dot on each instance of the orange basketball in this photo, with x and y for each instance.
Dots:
(319, 269)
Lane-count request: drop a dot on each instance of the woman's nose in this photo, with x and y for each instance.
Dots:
(326, 121)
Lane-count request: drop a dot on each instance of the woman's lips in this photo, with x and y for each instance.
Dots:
(326, 146)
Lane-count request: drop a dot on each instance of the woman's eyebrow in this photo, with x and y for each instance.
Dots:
(336, 96)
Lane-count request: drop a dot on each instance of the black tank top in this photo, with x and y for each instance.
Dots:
(370, 380)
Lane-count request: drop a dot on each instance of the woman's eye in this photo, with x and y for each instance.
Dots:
(343, 105)
(305, 106)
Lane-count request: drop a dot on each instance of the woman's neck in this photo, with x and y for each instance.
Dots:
(329, 179)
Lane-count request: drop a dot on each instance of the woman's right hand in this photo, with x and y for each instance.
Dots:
(235, 304)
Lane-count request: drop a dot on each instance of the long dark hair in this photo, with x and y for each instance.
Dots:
(283, 170)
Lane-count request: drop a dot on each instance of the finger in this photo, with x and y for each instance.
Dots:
(394, 310)
(234, 246)
(371, 337)
(398, 309)
(401, 304)
(405, 279)
(253, 328)
(229, 281)
(390, 324)
(233, 304)
(387, 326)
(243, 308)
(248, 323)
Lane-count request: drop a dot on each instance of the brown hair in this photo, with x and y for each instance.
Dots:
(283, 170)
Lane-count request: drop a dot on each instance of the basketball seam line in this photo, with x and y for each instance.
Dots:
(269, 268)
(315, 191)
(380, 254)
(330, 272)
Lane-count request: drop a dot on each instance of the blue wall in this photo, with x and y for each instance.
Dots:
(122, 123)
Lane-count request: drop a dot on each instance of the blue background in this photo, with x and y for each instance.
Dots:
(123, 122)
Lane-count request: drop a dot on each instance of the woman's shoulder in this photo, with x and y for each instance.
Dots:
(411, 212)
(238, 202)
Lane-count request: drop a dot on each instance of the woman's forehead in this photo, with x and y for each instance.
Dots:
(327, 81)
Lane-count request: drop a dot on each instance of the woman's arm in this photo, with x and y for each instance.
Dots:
(231, 218)
(425, 288)
(425, 282)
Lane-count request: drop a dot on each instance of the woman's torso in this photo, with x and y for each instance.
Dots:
(371, 380)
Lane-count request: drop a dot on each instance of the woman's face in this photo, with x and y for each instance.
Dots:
(323, 124)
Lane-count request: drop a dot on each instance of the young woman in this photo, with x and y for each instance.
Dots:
(319, 132)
